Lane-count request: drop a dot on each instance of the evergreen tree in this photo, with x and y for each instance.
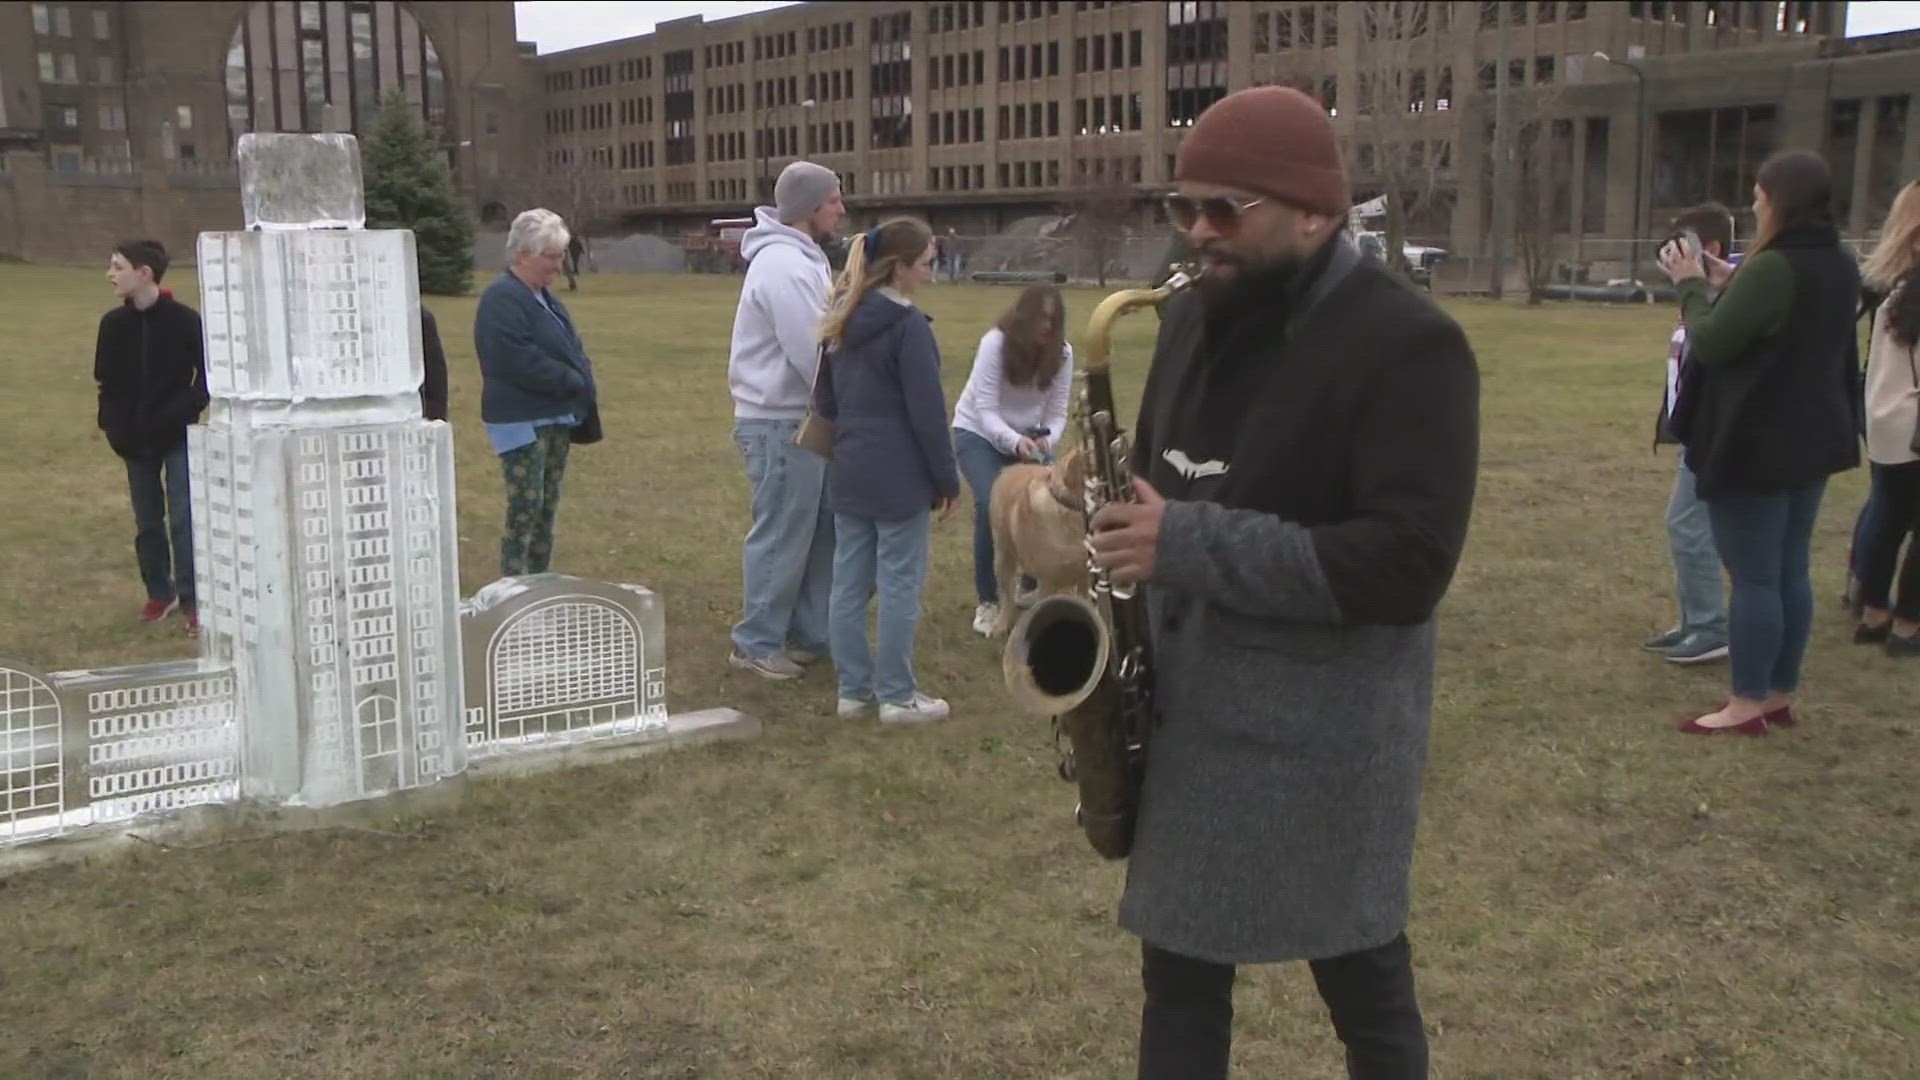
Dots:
(408, 186)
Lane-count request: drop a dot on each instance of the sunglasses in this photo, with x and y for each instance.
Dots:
(1223, 214)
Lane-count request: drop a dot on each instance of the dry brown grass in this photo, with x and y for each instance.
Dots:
(1595, 895)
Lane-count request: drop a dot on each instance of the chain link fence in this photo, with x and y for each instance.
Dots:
(1045, 248)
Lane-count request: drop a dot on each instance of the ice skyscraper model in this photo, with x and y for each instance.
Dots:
(325, 543)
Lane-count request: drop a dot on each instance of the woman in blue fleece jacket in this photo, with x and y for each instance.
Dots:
(892, 466)
(537, 395)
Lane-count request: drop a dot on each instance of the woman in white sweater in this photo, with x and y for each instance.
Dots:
(1893, 436)
(1014, 409)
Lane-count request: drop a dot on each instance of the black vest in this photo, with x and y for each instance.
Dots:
(1784, 414)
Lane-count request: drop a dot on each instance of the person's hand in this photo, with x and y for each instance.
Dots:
(1718, 270)
(943, 506)
(1678, 265)
(1027, 449)
(1127, 535)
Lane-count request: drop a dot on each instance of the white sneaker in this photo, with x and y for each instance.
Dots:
(984, 617)
(921, 710)
(849, 707)
(775, 667)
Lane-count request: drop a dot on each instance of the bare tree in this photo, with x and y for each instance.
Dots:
(578, 183)
(1102, 206)
(1399, 148)
(1541, 149)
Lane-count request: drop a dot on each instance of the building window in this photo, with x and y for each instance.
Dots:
(48, 73)
(102, 25)
(42, 23)
(183, 117)
(1714, 154)
(104, 69)
(69, 69)
(62, 21)
(69, 116)
(285, 62)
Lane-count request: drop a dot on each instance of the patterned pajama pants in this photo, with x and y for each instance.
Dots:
(533, 474)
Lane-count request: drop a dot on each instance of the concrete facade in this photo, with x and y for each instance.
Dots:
(116, 119)
(974, 114)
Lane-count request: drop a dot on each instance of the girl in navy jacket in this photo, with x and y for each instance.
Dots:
(892, 466)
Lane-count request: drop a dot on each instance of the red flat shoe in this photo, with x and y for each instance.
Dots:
(1780, 717)
(1755, 726)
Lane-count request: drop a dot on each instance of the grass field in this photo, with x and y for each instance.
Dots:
(1595, 895)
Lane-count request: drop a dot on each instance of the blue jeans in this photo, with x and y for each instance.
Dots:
(787, 561)
(980, 462)
(162, 513)
(1696, 562)
(1766, 541)
(888, 557)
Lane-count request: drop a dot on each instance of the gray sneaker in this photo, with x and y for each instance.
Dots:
(1663, 642)
(1697, 648)
(775, 667)
(921, 710)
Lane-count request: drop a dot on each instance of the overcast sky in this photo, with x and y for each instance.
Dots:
(569, 24)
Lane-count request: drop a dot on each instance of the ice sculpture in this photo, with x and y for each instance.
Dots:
(324, 530)
(552, 658)
(301, 182)
(82, 748)
(33, 790)
(158, 737)
(314, 318)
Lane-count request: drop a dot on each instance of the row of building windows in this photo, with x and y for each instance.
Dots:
(1196, 31)
(56, 20)
(64, 68)
(732, 187)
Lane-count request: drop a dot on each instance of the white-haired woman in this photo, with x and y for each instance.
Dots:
(537, 394)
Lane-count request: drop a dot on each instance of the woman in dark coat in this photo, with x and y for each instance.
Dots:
(537, 394)
(1767, 413)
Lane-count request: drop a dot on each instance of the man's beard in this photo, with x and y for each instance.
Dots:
(1249, 279)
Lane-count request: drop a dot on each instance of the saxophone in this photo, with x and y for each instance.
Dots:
(1087, 663)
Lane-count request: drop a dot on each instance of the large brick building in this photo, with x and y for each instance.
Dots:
(969, 113)
(120, 118)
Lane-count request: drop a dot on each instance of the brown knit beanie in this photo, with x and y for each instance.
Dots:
(1272, 140)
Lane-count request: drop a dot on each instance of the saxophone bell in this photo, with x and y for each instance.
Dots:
(1058, 655)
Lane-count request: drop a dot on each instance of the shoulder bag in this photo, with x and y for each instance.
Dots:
(816, 431)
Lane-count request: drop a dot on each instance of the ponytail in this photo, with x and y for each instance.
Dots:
(872, 258)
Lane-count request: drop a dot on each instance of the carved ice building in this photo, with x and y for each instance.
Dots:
(325, 543)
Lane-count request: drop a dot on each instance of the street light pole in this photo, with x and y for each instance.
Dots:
(766, 141)
(1639, 151)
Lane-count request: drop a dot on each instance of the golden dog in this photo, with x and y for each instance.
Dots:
(1039, 528)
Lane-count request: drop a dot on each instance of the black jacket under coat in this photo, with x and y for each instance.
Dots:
(150, 367)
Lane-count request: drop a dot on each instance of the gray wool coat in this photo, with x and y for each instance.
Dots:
(1320, 480)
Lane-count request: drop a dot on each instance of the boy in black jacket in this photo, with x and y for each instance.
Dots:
(151, 368)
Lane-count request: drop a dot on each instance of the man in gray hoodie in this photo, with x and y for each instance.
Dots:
(787, 562)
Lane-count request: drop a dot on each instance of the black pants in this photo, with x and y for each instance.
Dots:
(1895, 517)
(1186, 1025)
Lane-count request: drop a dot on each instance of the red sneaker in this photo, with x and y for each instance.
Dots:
(158, 609)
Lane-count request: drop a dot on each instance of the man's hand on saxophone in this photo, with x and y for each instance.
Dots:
(1126, 535)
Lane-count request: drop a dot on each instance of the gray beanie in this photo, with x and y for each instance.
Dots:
(803, 187)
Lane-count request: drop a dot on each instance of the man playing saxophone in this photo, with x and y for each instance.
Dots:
(1305, 460)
